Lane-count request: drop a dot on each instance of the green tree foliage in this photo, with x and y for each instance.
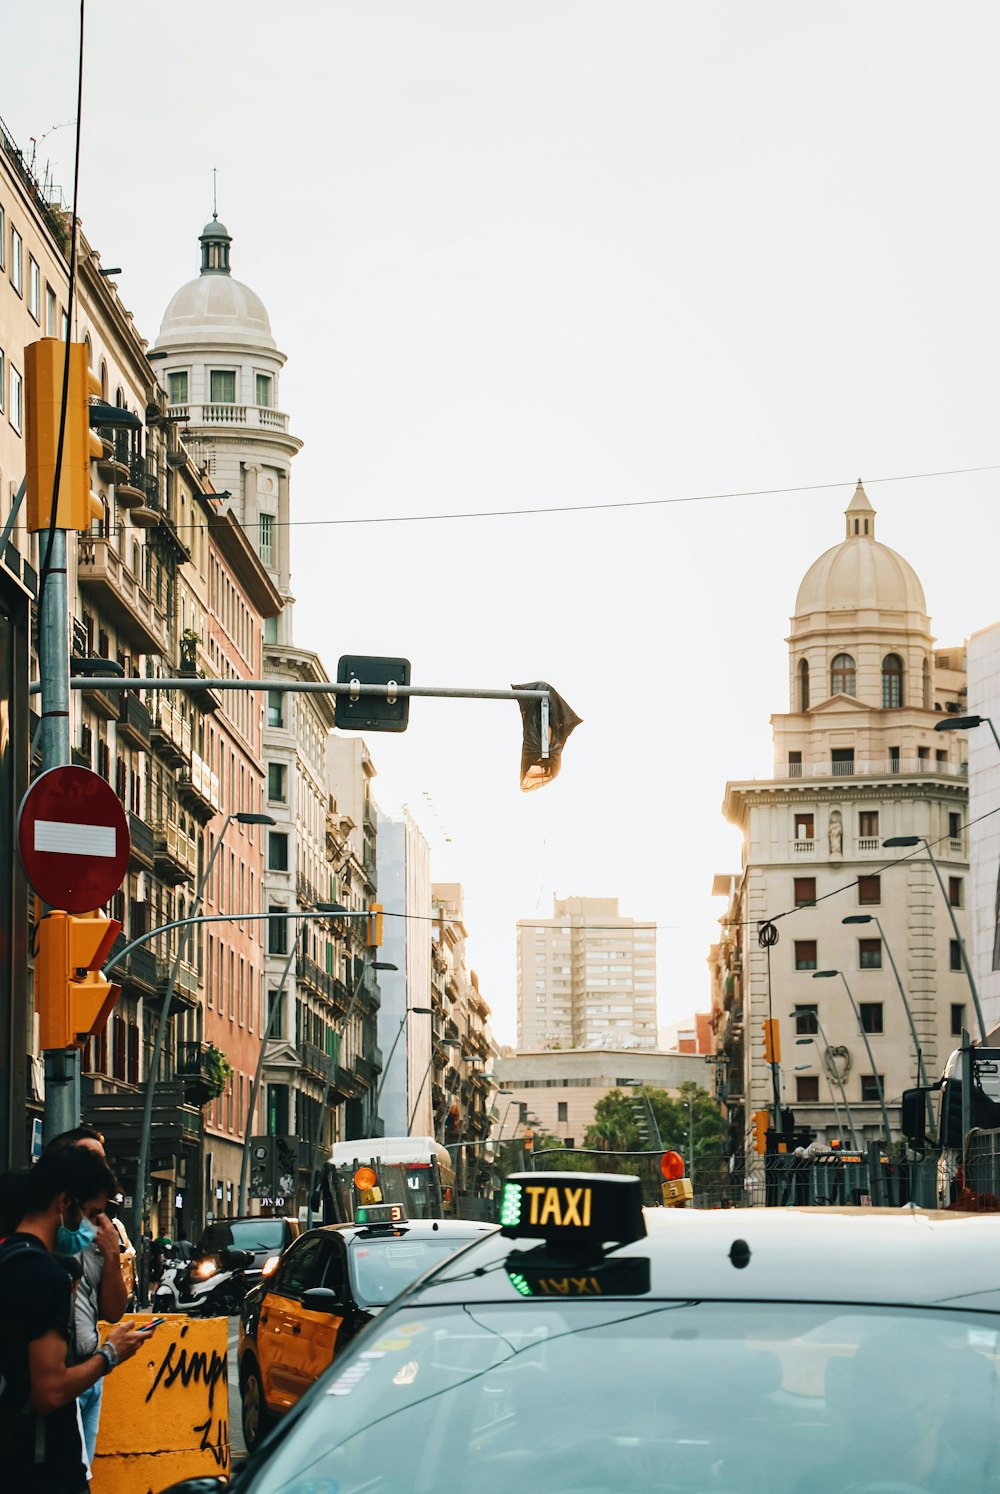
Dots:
(614, 1127)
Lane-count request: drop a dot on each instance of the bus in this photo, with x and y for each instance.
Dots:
(414, 1171)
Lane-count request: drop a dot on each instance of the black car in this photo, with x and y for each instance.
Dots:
(264, 1238)
(326, 1287)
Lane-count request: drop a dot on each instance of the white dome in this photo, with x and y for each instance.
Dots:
(215, 309)
(860, 574)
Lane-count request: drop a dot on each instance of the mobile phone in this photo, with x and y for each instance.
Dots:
(154, 1323)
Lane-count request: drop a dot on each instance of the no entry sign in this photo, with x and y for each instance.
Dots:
(72, 835)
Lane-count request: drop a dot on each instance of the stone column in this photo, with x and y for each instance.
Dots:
(250, 514)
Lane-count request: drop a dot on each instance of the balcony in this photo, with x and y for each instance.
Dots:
(118, 1116)
(140, 969)
(141, 841)
(232, 415)
(198, 789)
(801, 847)
(893, 767)
(316, 978)
(169, 732)
(365, 1068)
(117, 592)
(133, 720)
(104, 702)
(175, 855)
(198, 1072)
(187, 985)
(314, 1061)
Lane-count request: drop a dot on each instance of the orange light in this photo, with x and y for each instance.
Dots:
(365, 1178)
(835, 1143)
(672, 1165)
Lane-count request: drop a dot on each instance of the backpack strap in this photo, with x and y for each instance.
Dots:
(13, 1250)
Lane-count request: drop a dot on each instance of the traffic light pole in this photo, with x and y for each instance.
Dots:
(62, 1066)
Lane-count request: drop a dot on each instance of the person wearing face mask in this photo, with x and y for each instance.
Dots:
(103, 1292)
(40, 1430)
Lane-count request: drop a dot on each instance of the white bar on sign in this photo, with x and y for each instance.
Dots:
(75, 840)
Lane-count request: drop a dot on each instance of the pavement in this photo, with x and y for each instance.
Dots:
(237, 1446)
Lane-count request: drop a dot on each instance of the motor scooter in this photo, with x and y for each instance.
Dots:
(212, 1287)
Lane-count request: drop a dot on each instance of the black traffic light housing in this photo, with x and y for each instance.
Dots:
(537, 767)
(389, 712)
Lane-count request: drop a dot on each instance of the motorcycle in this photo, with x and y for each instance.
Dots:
(212, 1287)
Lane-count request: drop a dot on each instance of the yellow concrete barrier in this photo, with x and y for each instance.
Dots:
(165, 1413)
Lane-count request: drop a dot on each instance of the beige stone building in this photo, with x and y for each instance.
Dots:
(586, 976)
(856, 762)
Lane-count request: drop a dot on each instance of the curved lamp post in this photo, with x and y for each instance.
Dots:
(831, 975)
(921, 1071)
(920, 840)
(422, 1011)
(831, 1076)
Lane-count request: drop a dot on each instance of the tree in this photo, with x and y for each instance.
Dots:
(614, 1128)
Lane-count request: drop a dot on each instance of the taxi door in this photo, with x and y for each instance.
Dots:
(281, 1322)
(316, 1333)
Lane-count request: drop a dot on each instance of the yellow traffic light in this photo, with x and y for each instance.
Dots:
(72, 998)
(76, 506)
(529, 1139)
(375, 926)
(676, 1192)
(772, 1040)
(761, 1123)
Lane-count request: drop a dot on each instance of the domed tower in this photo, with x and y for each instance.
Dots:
(221, 368)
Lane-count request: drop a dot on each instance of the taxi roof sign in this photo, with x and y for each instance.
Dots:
(380, 1213)
(572, 1208)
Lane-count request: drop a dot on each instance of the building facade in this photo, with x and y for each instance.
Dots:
(404, 889)
(984, 831)
(586, 976)
(856, 762)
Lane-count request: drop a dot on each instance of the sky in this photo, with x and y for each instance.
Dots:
(573, 254)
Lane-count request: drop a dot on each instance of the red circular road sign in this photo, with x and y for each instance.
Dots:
(73, 838)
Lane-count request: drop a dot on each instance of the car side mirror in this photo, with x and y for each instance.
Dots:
(321, 1299)
(232, 1259)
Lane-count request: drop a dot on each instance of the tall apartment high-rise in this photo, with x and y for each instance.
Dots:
(585, 976)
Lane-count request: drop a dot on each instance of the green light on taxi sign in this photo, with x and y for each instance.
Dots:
(519, 1283)
(379, 1214)
(510, 1205)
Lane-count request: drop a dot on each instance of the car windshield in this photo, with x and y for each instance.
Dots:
(244, 1234)
(685, 1397)
(380, 1269)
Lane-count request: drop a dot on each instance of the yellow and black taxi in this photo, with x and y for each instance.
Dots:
(328, 1284)
(589, 1347)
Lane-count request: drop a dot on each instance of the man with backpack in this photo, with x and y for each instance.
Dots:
(40, 1432)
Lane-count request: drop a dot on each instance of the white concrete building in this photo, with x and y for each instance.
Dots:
(404, 882)
(984, 823)
(856, 762)
(586, 976)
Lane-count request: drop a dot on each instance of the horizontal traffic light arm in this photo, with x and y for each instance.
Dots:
(294, 687)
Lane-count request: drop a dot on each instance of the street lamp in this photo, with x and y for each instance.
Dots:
(966, 723)
(242, 817)
(421, 1011)
(322, 910)
(832, 1073)
(831, 975)
(921, 1071)
(920, 840)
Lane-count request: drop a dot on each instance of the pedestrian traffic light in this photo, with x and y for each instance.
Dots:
(539, 767)
(772, 1040)
(761, 1122)
(374, 925)
(72, 998)
(44, 365)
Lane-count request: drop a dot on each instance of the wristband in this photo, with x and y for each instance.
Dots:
(109, 1354)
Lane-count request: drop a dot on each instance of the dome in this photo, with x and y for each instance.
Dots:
(860, 574)
(215, 309)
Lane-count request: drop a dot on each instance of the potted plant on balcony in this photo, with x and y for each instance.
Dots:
(218, 1071)
(189, 651)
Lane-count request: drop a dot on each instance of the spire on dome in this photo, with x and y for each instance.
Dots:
(860, 515)
(215, 240)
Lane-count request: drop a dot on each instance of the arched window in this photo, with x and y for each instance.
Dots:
(892, 681)
(842, 676)
(803, 685)
(104, 381)
(928, 701)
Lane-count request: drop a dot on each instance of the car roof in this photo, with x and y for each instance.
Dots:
(418, 1229)
(915, 1257)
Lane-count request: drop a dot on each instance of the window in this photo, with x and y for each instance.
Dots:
(807, 1088)
(954, 955)
(222, 386)
(177, 387)
(868, 824)
(893, 759)
(955, 891)
(563, 1110)
(805, 891)
(842, 761)
(843, 676)
(16, 270)
(805, 954)
(869, 890)
(277, 931)
(804, 827)
(871, 1016)
(806, 1020)
(276, 782)
(957, 1018)
(34, 289)
(51, 313)
(266, 532)
(3, 379)
(795, 765)
(262, 383)
(274, 708)
(892, 682)
(870, 954)
(277, 851)
(16, 400)
(803, 685)
(871, 1087)
(3, 238)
